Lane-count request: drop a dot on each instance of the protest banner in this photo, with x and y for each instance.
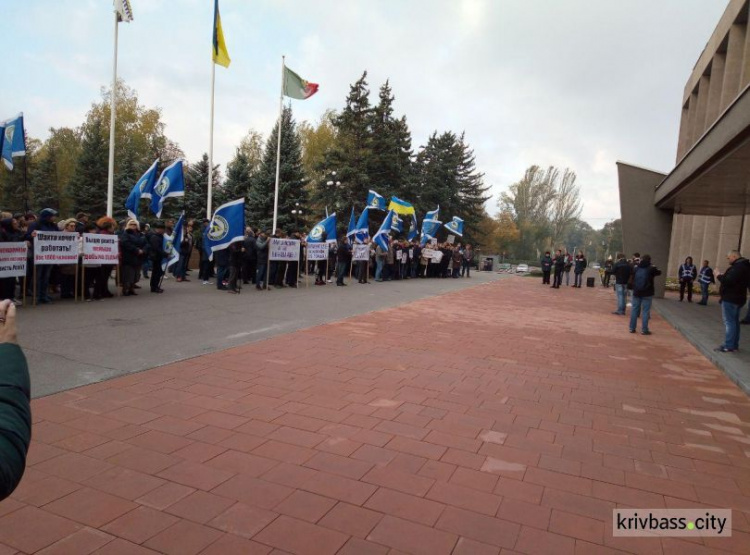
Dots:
(55, 247)
(317, 251)
(428, 253)
(13, 260)
(100, 249)
(451, 239)
(361, 252)
(285, 250)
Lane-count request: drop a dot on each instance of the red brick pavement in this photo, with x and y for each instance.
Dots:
(504, 418)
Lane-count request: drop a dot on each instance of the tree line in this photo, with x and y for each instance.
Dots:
(329, 164)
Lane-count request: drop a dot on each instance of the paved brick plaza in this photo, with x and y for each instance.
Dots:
(504, 417)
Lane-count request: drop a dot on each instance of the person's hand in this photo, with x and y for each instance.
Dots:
(8, 322)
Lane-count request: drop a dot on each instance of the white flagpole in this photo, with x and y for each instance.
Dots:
(113, 109)
(278, 147)
(211, 143)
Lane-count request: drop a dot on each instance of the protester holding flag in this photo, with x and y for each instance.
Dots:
(343, 258)
(155, 241)
(171, 183)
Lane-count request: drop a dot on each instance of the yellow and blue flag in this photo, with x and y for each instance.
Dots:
(401, 207)
(219, 47)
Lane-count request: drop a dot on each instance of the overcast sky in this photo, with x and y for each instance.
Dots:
(572, 83)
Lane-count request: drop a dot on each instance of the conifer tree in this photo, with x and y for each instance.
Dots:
(88, 187)
(195, 200)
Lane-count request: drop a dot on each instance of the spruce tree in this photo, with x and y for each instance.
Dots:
(88, 187)
(292, 192)
(196, 191)
(44, 186)
(471, 192)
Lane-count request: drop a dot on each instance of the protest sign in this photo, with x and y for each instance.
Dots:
(433, 241)
(13, 260)
(100, 249)
(55, 247)
(361, 252)
(451, 239)
(283, 249)
(428, 253)
(317, 251)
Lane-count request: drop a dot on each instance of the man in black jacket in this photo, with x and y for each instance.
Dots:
(622, 271)
(643, 293)
(733, 291)
(157, 254)
(559, 266)
(343, 258)
(250, 257)
(546, 264)
(15, 407)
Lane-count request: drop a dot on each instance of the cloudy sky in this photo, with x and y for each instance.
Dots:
(572, 83)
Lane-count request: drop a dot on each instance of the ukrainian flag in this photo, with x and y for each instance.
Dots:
(219, 50)
(401, 207)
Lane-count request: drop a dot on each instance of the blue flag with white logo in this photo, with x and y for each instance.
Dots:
(413, 228)
(429, 230)
(397, 224)
(142, 189)
(226, 227)
(323, 231)
(456, 226)
(382, 238)
(171, 183)
(363, 226)
(433, 215)
(352, 225)
(375, 201)
(171, 244)
(14, 140)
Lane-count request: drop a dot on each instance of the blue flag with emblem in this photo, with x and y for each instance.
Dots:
(433, 215)
(456, 226)
(429, 230)
(171, 183)
(171, 244)
(382, 238)
(14, 140)
(397, 224)
(413, 228)
(352, 225)
(325, 228)
(142, 189)
(375, 201)
(226, 227)
(363, 226)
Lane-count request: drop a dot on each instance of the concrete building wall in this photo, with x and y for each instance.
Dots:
(706, 238)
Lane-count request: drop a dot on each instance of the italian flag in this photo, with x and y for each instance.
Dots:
(296, 87)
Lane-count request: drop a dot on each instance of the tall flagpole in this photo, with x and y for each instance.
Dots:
(113, 109)
(278, 147)
(211, 143)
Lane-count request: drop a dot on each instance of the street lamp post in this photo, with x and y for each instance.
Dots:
(334, 183)
(296, 212)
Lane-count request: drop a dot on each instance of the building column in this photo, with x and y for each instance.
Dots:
(733, 68)
(745, 62)
(682, 142)
(713, 108)
(700, 112)
(692, 116)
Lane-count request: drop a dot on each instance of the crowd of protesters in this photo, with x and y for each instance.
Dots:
(142, 256)
(560, 267)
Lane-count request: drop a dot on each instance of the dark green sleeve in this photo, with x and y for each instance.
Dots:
(15, 417)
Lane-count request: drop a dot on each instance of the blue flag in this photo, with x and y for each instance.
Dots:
(363, 226)
(171, 183)
(433, 215)
(413, 228)
(325, 227)
(456, 226)
(352, 225)
(397, 224)
(429, 230)
(381, 238)
(375, 201)
(226, 227)
(14, 140)
(142, 189)
(171, 244)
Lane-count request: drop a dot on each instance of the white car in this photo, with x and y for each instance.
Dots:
(595, 266)
(522, 268)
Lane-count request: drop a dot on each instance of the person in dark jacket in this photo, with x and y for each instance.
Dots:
(236, 253)
(546, 264)
(133, 247)
(261, 249)
(643, 294)
(580, 266)
(343, 259)
(621, 270)
(249, 257)
(105, 226)
(559, 267)
(705, 278)
(9, 233)
(46, 222)
(733, 290)
(186, 247)
(687, 274)
(156, 254)
(205, 264)
(15, 406)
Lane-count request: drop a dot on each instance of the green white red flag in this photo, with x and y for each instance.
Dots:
(296, 87)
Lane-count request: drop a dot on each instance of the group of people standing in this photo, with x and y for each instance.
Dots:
(560, 266)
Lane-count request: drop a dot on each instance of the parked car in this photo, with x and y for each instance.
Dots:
(522, 268)
(596, 266)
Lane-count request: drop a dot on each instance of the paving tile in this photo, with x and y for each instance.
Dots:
(343, 466)
(123, 547)
(405, 506)
(183, 538)
(356, 546)
(42, 491)
(196, 475)
(305, 506)
(243, 520)
(253, 491)
(124, 482)
(481, 528)
(230, 544)
(200, 506)
(465, 498)
(301, 538)
(140, 524)
(165, 495)
(350, 519)
(528, 514)
(82, 542)
(90, 507)
(410, 537)
(400, 481)
(532, 540)
(31, 529)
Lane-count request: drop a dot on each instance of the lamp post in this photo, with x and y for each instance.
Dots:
(335, 184)
(296, 212)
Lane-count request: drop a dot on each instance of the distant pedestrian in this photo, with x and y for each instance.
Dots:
(559, 266)
(580, 265)
(546, 264)
(705, 278)
(687, 273)
(643, 294)
(622, 271)
(733, 290)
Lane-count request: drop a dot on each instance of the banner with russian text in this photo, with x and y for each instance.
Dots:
(317, 251)
(100, 249)
(56, 247)
(13, 260)
(361, 252)
(283, 249)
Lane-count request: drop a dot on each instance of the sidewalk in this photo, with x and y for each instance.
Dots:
(508, 416)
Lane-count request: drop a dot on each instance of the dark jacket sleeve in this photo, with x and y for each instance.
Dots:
(15, 417)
